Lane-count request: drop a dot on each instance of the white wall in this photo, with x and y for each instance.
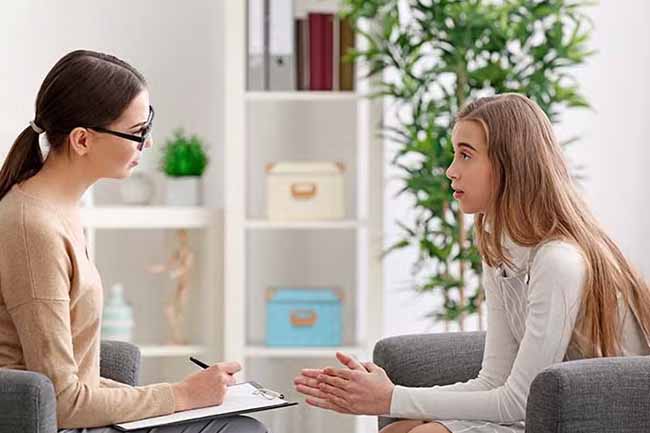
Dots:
(179, 51)
(615, 135)
(176, 45)
(614, 150)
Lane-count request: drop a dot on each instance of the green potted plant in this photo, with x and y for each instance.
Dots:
(428, 58)
(183, 161)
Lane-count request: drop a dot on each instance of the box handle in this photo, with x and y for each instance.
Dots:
(303, 191)
(303, 318)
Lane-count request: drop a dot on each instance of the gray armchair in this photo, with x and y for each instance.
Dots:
(27, 399)
(587, 396)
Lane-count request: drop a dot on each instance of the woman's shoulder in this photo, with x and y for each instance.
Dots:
(19, 215)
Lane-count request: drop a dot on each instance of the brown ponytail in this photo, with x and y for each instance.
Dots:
(22, 162)
(83, 89)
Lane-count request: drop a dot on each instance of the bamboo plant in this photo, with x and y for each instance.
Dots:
(428, 57)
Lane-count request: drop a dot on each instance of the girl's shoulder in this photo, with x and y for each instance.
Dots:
(559, 251)
(559, 259)
(560, 256)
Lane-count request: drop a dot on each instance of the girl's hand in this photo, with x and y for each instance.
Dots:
(360, 392)
(357, 389)
(307, 383)
(206, 387)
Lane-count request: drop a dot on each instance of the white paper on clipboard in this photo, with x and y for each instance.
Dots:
(241, 398)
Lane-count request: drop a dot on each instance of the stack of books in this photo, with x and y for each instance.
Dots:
(288, 52)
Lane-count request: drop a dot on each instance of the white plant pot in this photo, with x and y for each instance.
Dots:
(183, 191)
(137, 189)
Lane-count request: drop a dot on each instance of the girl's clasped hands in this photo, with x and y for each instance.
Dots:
(357, 388)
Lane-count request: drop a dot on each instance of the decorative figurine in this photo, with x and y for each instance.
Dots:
(178, 266)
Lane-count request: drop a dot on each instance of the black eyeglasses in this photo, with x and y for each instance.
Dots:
(145, 132)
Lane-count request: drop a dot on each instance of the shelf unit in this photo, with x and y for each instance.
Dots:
(209, 221)
(171, 350)
(260, 224)
(145, 217)
(313, 96)
(320, 352)
(250, 240)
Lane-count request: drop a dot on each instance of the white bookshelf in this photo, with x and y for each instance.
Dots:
(313, 96)
(260, 224)
(145, 217)
(319, 352)
(153, 351)
(123, 222)
(263, 127)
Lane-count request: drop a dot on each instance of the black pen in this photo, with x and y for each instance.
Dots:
(199, 363)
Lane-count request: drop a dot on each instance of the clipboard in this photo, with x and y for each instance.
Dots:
(242, 398)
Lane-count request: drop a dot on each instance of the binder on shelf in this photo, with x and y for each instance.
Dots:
(240, 399)
(336, 52)
(346, 68)
(257, 62)
(302, 53)
(281, 46)
(321, 28)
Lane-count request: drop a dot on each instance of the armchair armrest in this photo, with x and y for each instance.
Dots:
(426, 360)
(591, 395)
(120, 361)
(27, 402)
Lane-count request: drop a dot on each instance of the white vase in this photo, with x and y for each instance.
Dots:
(137, 189)
(183, 191)
(117, 318)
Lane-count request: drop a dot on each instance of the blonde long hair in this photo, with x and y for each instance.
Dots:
(535, 201)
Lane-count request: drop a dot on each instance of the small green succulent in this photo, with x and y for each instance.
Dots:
(183, 155)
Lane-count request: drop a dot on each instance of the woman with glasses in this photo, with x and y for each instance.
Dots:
(94, 112)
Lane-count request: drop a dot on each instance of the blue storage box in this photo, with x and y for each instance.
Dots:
(303, 317)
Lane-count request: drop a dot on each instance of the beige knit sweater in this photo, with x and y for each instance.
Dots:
(50, 315)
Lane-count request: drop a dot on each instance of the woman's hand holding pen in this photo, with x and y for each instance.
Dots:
(206, 387)
(360, 388)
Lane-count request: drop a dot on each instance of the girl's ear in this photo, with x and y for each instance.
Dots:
(79, 140)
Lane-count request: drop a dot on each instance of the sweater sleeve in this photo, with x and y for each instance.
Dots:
(110, 383)
(556, 282)
(36, 289)
(500, 345)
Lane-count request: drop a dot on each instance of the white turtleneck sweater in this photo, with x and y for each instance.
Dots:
(529, 327)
